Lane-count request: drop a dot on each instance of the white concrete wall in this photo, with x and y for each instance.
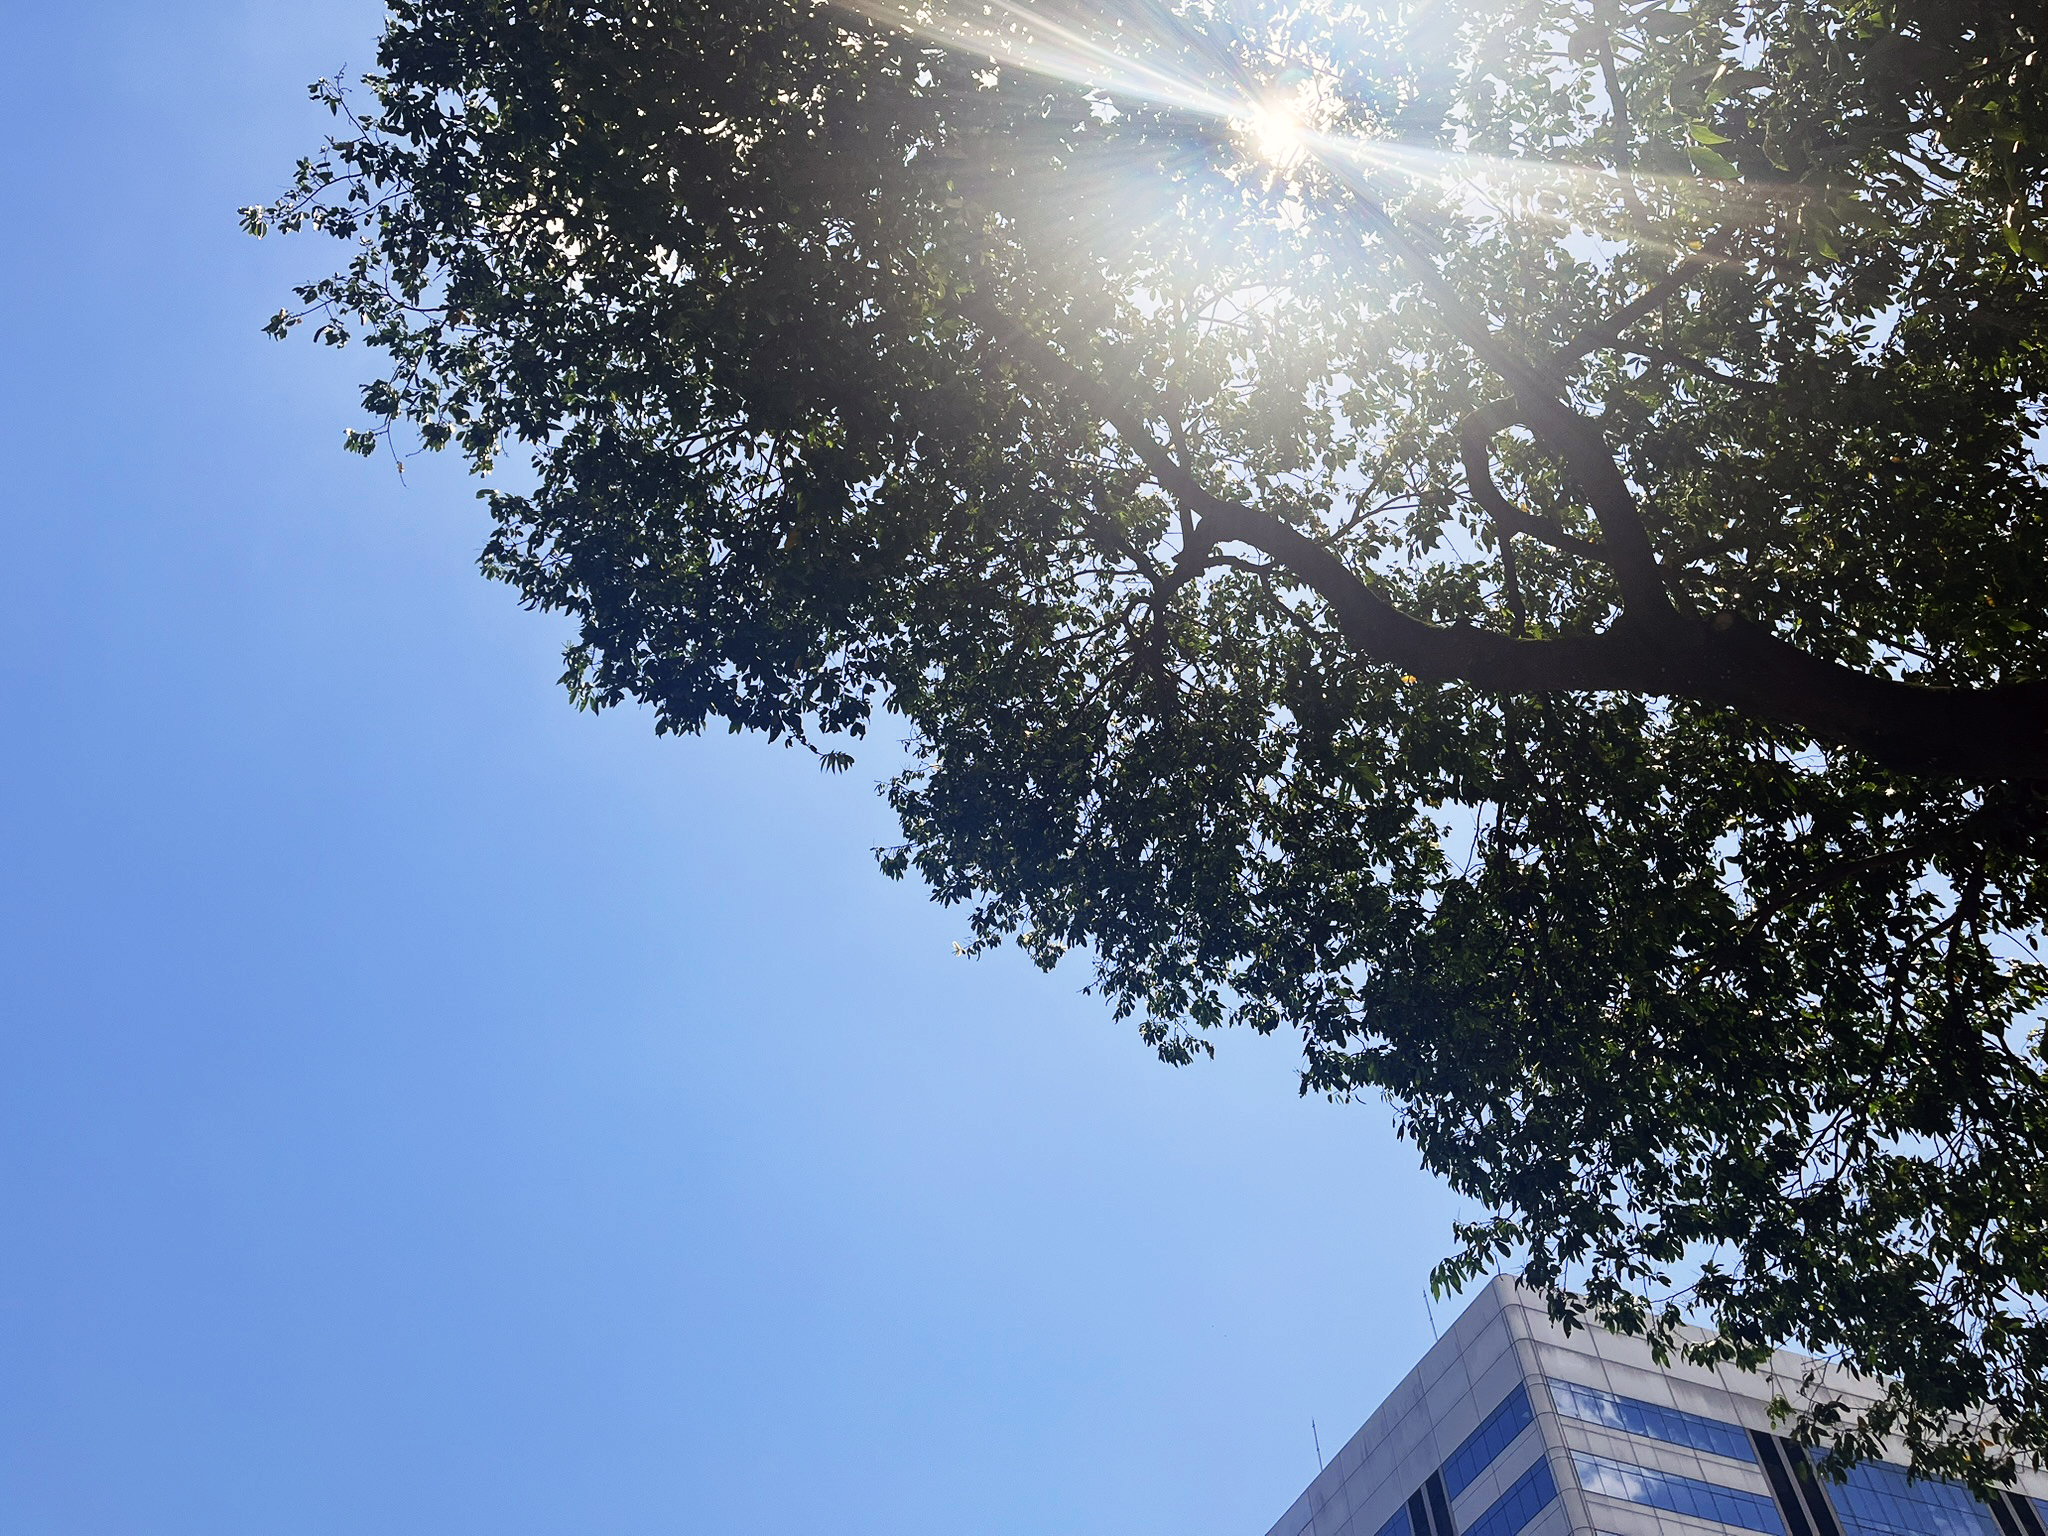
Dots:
(1462, 1379)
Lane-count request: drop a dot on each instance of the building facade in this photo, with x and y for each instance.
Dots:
(1511, 1427)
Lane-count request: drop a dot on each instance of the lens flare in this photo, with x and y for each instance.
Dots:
(1141, 51)
(1276, 133)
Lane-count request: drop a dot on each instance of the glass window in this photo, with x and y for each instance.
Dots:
(1680, 1495)
(1879, 1500)
(1486, 1442)
(1399, 1525)
(1647, 1419)
(1522, 1502)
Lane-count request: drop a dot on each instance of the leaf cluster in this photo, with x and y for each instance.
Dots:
(879, 365)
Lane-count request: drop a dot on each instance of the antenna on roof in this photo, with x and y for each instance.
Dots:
(1319, 1443)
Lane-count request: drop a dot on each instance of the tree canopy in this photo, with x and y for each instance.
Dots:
(1506, 538)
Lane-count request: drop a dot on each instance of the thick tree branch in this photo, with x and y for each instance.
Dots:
(1475, 440)
(1981, 734)
(1543, 410)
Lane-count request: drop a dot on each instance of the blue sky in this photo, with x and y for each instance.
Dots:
(424, 1108)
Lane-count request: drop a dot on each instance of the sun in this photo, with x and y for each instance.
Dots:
(1276, 133)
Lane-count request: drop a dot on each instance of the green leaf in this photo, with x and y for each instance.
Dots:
(1711, 163)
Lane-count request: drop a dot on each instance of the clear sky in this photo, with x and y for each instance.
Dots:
(424, 1108)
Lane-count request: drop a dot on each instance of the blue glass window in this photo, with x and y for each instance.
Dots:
(1486, 1442)
(1399, 1525)
(1680, 1495)
(1647, 1419)
(1879, 1500)
(1522, 1502)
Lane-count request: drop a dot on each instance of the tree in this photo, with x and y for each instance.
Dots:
(1506, 539)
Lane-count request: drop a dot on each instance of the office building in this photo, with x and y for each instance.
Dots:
(1511, 1427)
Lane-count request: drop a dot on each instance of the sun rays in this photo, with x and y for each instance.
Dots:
(1277, 133)
(1034, 38)
(1282, 112)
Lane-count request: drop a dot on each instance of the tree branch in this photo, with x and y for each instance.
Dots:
(1605, 333)
(1980, 734)
(1694, 366)
(1624, 135)
(1475, 439)
(1537, 390)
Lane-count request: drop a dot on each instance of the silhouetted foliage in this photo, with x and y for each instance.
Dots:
(1509, 540)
